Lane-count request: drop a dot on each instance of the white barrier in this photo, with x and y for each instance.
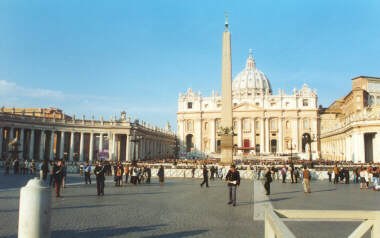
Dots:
(34, 211)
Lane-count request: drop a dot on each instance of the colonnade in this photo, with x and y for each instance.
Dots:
(44, 144)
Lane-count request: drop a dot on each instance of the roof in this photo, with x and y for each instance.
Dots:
(362, 76)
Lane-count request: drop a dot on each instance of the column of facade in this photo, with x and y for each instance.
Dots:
(20, 155)
(213, 140)
(198, 136)
(71, 154)
(142, 149)
(42, 142)
(81, 148)
(267, 135)
(62, 145)
(296, 139)
(91, 147)
(1, 141)
(51, 151)
(240, 134)
(253, 135)
(262, 146)
(281, 140)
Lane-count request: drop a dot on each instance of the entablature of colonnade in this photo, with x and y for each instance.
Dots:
(362, 127)
(86, 126)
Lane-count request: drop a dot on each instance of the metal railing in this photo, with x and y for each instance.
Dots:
(274, 226)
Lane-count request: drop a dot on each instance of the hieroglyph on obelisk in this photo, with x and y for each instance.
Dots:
(226, 131)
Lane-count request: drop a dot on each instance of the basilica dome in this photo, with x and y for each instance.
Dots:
(251, 80)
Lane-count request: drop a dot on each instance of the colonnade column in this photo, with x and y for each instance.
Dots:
(62, 145)
(81, 146)
(51, 154)
(20, 155)
(142, 142)
(267, 135)
(31, 144)
(71, 146)
(42, 142)
(100, 141)
(113, 146)
(128, 147)
(262, 146)
(110, 152)
(280, 144)
(11, 135)
(91, 146)
(253, 136)
(1, 141)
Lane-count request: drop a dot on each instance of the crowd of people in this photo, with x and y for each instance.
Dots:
(297, 170)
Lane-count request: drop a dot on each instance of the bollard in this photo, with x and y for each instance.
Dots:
(34, 211)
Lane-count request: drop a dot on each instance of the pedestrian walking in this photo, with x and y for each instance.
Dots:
(205, 176)
(100, 178)
(306, 180)
(233, 181)
(161, 175)
(267, 180)
(58, 175)
(87, 173)
(148, 174)
(126, 171)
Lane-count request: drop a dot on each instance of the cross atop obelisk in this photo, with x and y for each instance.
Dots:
(226, 123)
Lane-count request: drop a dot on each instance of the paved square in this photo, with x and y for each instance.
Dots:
(181, 208)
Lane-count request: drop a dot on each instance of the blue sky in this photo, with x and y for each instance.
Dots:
(102, 57)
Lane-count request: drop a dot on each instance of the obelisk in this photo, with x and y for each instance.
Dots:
(226, 122)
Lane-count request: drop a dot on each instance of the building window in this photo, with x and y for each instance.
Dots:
(287, 124)
(257, 125)
(206, 125)
(272, 104)
(305, 102)
(189, 105)
(246, 126)
(305, 124)
(235, 124)
(206, 105)
(287, 104)
(257, 104)
(219, 105)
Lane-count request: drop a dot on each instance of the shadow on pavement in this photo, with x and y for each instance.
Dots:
(104, 231)
(178, 234)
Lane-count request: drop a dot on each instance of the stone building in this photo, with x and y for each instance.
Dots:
(46, 134)
(264, 123)
(350, 126)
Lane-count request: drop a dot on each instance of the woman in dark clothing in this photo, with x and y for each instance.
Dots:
(268, 180)
(161, 175)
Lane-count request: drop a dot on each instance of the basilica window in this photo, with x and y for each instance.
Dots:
(377, 100)
(206, 125)
(273, 124)
(257, 104)
(246, 126)
(257, 123)
(305, 102)
(235, 124)
(287, 124)
(189, 105)
(189, 125)
(305, 124)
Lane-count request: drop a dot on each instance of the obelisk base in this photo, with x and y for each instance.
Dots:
(226, 149)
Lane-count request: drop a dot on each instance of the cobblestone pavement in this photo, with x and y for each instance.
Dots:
(181, 208)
